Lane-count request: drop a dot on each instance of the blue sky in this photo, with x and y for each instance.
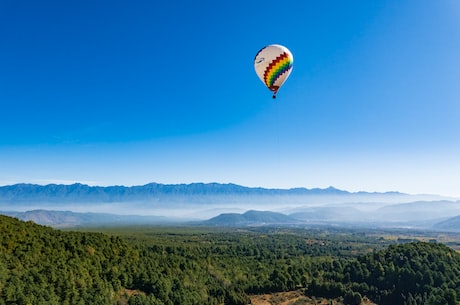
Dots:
(132, 92)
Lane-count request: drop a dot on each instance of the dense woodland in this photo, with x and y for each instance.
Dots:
(41, 265)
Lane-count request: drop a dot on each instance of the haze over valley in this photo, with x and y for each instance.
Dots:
(224, 205)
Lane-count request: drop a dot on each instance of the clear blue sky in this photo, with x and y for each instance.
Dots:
(131, 92)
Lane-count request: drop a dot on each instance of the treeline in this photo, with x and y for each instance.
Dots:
(417, 273)
(39, 265)
(408, 274)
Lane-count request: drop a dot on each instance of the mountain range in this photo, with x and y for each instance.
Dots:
(154, 191)
(221, 204)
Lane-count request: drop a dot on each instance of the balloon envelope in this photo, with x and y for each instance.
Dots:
(273, 64)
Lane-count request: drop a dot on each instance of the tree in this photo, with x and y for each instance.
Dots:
(352, 298)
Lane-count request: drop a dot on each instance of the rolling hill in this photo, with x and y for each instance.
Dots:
(251, 218)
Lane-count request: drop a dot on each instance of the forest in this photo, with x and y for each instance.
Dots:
(199, 265)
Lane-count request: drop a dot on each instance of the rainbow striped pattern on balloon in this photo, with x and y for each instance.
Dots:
(276, 68)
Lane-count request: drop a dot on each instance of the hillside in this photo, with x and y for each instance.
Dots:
(63, 219)
(451, 224)
(187, 266)
(413, 273)
(418, 210)
(40, 265)
(420, 273)
(251, 218)
(44, 266)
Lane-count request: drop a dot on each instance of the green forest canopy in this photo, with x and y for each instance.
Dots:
(40, 265)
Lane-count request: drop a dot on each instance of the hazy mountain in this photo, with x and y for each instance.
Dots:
(251, 218)
(326, 213)
(451, 224)
(204, 201)
(419, 211)
(71, 219)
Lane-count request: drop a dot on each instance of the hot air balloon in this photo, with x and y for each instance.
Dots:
(273, 65)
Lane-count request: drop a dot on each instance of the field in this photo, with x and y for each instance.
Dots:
(296, 298)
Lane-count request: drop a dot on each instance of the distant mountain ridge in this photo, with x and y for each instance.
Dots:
(116, 193)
